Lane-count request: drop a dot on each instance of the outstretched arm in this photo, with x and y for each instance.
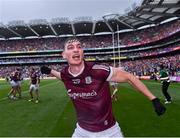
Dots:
(56, 74)
(46, 70)
(123, 76)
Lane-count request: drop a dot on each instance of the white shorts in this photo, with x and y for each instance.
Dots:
(13, 83)
(113, 132)
(113, 83)
(34, 87)
(19, 83)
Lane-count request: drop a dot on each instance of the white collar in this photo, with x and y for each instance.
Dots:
(75, 75)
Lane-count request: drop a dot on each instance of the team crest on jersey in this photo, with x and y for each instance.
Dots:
(88, 80)
(76, 81)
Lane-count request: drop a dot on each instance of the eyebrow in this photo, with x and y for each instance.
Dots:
(69, 45)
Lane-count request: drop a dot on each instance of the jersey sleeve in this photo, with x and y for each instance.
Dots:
(63, 74)
(103, 72)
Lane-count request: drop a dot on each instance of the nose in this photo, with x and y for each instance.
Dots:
(76, 49)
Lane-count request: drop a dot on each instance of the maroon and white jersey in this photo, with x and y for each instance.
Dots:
(14, 76)
(34, 76)
(90, 94)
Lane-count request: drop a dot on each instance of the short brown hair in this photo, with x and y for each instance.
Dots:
(70, 40)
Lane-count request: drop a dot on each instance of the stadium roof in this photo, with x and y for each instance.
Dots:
(151, 12)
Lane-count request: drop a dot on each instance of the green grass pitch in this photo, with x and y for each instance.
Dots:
(54, 115)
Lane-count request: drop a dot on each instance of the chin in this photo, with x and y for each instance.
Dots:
(76, 63)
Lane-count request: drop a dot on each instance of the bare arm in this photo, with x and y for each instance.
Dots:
(123, 76)
(56, 74)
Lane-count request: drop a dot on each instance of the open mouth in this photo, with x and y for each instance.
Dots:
(76, 57)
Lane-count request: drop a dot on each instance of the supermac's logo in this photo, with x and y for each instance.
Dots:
(83, 95)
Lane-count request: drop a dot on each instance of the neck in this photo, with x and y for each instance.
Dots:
(76, 69)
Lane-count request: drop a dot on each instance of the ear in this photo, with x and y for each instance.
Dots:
(64, 55)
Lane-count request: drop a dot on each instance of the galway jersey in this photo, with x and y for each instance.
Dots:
(34, 78)
(19, 75)
(14, 76)
(90, 94)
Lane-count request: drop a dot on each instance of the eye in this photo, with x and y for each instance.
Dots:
(70, 47)
(79, 46)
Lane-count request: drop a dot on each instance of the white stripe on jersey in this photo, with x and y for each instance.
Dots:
(101, 67)
(106, 68)
(110, 74)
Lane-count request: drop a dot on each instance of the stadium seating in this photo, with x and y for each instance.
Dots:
(142, 50)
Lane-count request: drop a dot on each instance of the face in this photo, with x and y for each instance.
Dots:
(32, 70)
(73, 53)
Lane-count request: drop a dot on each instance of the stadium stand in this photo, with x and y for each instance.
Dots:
(141, 49)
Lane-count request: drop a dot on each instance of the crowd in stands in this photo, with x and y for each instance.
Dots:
(129, 39)
(151, 34)
(147, 66)
(25, 70)
(137, 67)
(100, 55)
(30, 45)
(155, 51)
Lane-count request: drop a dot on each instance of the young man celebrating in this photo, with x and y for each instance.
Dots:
(87, 85)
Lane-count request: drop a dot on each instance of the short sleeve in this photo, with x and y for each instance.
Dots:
(102, 72)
